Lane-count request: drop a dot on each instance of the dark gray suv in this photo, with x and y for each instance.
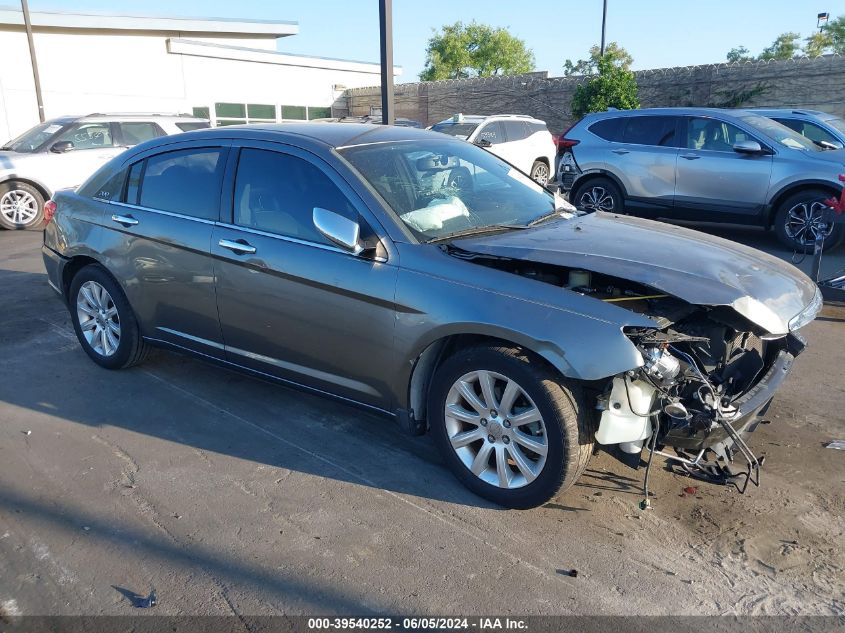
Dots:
(703, 164)
(422, 277)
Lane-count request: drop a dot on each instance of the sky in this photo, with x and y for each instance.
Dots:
(658, 33)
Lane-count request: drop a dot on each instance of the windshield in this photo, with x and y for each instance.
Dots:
(455, 129)
(442, 187)
(34, 138)
(780, 133)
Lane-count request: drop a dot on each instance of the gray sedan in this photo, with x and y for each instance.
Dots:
(419, 276)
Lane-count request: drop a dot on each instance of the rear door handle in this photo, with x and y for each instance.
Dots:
(240, 247)
(690, 156)
(621, 152)
(125, 220)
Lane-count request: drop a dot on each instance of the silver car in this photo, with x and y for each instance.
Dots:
(424, 278)
(64, 152)
(703, 164)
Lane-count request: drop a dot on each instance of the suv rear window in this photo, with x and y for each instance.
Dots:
(608, 129)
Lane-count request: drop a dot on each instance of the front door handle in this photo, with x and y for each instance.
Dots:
(240, 247)
(690, 156)
(125, 220)
(621, 152)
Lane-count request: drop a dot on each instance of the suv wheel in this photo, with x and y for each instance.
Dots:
(508, 426)
(540, 172)
(600, 194)
(798, 219)
(21, 206)
(103, 320)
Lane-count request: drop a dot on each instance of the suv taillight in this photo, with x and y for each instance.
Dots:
(50, 210)
(566, 143)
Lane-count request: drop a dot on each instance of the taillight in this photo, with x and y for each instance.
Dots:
(50, 210)
(564, 143)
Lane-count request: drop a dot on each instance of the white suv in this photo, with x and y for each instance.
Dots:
(523, 141)
(63, 152)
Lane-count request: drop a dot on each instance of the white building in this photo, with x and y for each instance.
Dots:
(223, 69)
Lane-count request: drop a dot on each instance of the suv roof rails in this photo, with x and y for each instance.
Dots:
(176, 114)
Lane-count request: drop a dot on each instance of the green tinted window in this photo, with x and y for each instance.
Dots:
(293, 112)
(202, 113)
(261, 111)
(319, 113)
(230, 110)
(221, 122)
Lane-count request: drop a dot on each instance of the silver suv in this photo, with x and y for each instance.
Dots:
(703, 164)
(824, 129)
(63, 152)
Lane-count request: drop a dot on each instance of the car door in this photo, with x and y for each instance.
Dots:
(715, 182)
(644, 159)
(292, 304)
(158, 241)
(93, 144)
(519, 152)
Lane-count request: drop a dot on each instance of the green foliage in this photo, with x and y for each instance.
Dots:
(817, 44)
(784, 47)
(835, 32)
(611, 87)
(739, 54)
(615, 53)
(459, 51)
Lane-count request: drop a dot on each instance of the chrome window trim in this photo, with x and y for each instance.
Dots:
(171, 214)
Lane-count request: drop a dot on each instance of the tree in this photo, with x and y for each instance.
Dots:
(739, 54)
(611, 87)
(784, 47)
(463, 50)
(615, 53)
(817, 44)
(835, 31)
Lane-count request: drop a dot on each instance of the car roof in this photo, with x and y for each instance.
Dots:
(334, 135)
(689, 111)
(478, 118)
(126, 116)
(801, 112)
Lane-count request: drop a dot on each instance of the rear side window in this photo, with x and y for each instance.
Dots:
(135, 132)
(188, 126)
(608, 129)
(516, 130)
(650, 130)
(493, 132)
(277, 193)
(185, 181)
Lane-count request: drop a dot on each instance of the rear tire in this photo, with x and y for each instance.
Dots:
(564, 430)
(103, 320)
(540, 172)
(599, 194)
(21, 206)
(795, 221)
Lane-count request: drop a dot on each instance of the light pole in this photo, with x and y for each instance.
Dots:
(821, 20)
(603, 24)
(385, 14)
(28, 25)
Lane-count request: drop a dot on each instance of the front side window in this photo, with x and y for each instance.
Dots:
(277, 193)
(650, 130)
(779, 134)
(134, 132)
(441, 187)
(714, 135)
(87, 136)
(814, 132)
(184, 181)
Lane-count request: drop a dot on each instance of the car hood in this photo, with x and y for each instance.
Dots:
(698, 268)
(9, 160)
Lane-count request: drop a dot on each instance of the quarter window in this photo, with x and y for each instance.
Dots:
(277, 193)
(609, 129)
(184, 181)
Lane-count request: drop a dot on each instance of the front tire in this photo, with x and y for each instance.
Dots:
(509, 427)
(797, 219)
(104, 321)
(599, 194)
(21, 206)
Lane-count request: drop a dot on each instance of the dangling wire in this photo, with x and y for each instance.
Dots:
(646, 502)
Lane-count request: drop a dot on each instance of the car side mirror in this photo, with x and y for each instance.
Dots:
(748, 147)
(61, 147)
(483, 142)
(338, 229)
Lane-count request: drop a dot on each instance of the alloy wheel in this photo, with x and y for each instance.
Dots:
(540, 173)
(597, 199)
(19, 207)
(98, 318)
(495, 429)
(804, 223)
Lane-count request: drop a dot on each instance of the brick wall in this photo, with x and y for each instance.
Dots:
(817, 83)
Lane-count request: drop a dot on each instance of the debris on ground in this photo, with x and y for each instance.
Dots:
(839, 445)
(572, 573)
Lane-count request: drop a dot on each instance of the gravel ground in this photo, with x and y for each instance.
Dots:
(229, 495)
